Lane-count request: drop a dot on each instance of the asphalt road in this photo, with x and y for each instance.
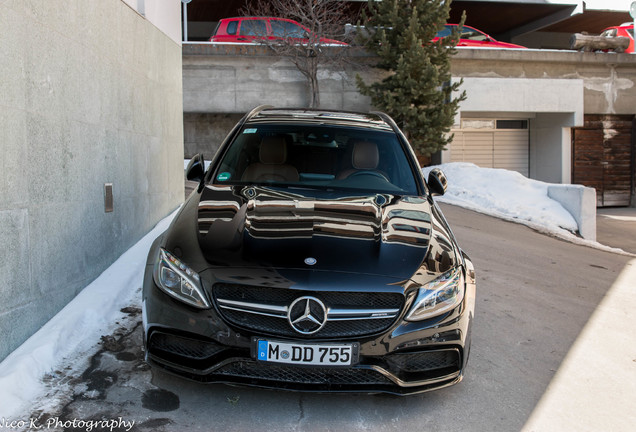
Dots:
(616, 227)
(535, 294)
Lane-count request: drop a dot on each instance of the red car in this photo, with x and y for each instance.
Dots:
(625, 30)
(255, 29)
(471, 37)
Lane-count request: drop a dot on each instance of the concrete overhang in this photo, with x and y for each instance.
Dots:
(523, 95)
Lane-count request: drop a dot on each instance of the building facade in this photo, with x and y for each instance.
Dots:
(92, 144)
(535, 110)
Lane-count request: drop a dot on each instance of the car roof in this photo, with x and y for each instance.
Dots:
(257, 18)
(463, 26)
(317, 116)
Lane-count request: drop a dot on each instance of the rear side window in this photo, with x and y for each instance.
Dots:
(231, 27)
(253, 28)
(286, 29)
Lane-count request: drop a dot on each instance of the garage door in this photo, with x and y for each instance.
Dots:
(491, 143)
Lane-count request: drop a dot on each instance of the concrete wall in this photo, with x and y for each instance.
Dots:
(226, 79)
(204, 133)
(608, 78)
(235, 78)
(580, 202)
(166, 16)
(550, 147)
(531, 95)
(91, 94)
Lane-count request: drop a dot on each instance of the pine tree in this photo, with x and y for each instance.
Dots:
(417, 91)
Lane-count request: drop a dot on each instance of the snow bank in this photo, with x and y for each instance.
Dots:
(75, 328)
(504, 194)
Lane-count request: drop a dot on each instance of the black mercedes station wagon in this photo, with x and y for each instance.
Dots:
(311, 256)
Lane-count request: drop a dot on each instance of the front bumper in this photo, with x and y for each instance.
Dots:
(408, 358)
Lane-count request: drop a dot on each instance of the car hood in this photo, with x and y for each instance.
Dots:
(300, 229)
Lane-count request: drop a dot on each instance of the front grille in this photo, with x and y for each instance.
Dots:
(264, 309)
(286, 296)
(302, 375)
(280, 326)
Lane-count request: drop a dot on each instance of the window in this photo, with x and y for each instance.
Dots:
(286, 29)
(231, 27)
(478, 124)
(445, 32)
(512, 124)
(253, 28)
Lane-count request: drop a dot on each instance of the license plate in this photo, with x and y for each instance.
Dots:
(307, 354)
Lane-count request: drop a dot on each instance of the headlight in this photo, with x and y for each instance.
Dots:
(179, 281)
(438, 296)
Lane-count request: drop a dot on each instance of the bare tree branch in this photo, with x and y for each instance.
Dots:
(316, 43)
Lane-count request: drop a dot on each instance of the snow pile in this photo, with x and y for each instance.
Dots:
(504, 194)
(76, 328)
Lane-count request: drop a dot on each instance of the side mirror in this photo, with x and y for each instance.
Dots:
(437, 182)
(196, 169)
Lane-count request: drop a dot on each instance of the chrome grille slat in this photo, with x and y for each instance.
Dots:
(332, 314)
(255, 308)
(351, 314)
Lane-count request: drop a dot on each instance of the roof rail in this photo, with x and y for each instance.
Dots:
(256, 111)
(387, 118)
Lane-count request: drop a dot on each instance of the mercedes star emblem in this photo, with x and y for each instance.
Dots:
(307, 315)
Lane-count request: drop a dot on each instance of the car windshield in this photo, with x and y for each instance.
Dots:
(317, 156)
(472, 34)
(445, 32)
(466, 33)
